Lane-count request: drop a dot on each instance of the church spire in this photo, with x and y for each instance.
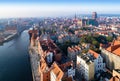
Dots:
(75, 16)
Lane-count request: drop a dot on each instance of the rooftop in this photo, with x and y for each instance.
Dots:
(96, 55)
(57, 71)
(43, 64)
(115, 47)
(118, 70)
(87, 58)
(64, 67)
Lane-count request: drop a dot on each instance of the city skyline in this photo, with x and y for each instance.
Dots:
(52, 8)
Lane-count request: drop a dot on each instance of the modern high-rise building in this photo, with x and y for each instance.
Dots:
(94, 15)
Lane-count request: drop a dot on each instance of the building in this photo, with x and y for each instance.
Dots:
(111, 54)
(73, 52)
(87, 22)
(116, 75)
(82, 22)
(92, 22)
(85, 67)
(10, 30)
(44, 70)
(90, 63)
(74, 38)
(94, 15)
(56, 73)
(51, 66)
(99, 66)
(69, 70)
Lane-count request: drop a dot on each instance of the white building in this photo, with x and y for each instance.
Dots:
(89, 64)
(85, 67)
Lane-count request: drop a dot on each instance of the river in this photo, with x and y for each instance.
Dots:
(14, 59)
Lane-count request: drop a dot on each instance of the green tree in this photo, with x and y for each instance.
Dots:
(109, 39)
(95, 43)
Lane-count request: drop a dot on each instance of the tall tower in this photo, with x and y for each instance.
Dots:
(75, 20)
(75, 17)
(94, 15)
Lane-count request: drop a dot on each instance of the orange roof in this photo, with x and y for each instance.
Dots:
(57, 71)
(117, 51)
(115, 78)
(115, 47)
(65, 65)
(46, 76)
(43, 64)
(116, 42)
(112, 48)
(93, 53)
(70, 49)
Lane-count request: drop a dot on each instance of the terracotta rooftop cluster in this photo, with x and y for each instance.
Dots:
(74, 49)
(115, 47)
(49, 46)
(50, 59)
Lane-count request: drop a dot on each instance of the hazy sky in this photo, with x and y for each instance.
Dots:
(37, 8)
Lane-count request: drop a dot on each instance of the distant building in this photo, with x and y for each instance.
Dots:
(10, 30)
(82, 22)
(94, 15)
(87, 22)
(92, 22)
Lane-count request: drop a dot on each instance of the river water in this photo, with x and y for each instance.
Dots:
(14, 59)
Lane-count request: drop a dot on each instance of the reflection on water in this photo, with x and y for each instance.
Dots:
(14, 60)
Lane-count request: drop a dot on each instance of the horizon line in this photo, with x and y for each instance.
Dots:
(72, 15)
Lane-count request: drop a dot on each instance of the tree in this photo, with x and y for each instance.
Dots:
(82, 40)
(95, 43)
(85, 51)
(109, 39)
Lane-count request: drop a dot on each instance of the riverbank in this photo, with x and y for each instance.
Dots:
(34, 61)
(8, 38)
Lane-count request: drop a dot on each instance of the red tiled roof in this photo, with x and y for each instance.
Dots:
(93, 53)
(43, 64)
(65, 65)
(115, 47)
(57, 71)
(117, 51)
(115, 78)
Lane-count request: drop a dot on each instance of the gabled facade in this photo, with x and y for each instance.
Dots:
(98, 61)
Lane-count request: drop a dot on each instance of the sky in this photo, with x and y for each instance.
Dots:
(51, 8)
